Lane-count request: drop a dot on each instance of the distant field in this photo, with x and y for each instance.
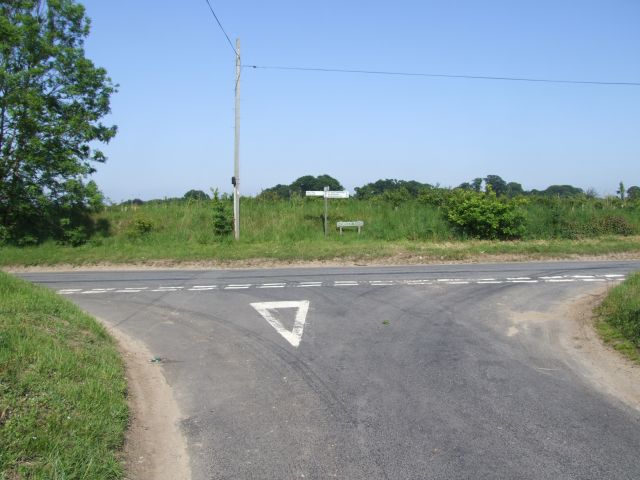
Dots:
(291, 230)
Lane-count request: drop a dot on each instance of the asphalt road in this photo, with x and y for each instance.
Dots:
(373, 373)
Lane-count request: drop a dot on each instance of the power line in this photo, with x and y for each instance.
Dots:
(222, 28)
(439, 75)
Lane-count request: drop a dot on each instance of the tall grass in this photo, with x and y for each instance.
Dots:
(62, 389)
(302, 219)
(619, 316)
(293, 230)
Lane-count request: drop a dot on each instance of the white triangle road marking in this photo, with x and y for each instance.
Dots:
(295, 335)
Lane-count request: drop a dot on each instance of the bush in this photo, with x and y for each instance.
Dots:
(614, 225)
(596, 226)
(222, 218)
(140, 228)
(483, 215)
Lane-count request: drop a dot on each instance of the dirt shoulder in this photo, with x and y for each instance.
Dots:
(600, 364)
(155, 448)
(256, 263)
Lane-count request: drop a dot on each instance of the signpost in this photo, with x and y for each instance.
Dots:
(327, 194)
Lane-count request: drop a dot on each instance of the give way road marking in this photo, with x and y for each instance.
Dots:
(267, 310)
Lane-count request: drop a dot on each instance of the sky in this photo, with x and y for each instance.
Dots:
(176, 74)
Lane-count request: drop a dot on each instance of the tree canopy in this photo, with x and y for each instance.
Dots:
(52, 99)
(560, 191)
(380, 187)
(633, 193)
(301, 185)
(198, 195)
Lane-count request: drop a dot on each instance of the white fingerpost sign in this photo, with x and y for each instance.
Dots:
(327, 194)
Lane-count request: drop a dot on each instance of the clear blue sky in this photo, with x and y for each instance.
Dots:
(175, 104)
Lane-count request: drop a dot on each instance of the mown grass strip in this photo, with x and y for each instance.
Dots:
(63, 410)
(158, 249)
(619, 318)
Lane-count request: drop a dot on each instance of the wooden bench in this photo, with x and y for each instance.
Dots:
(357, 224)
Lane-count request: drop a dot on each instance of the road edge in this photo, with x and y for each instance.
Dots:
(265, 263)
(594, 360)
(155, 448)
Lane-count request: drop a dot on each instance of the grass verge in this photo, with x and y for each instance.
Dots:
(619, 318)
(152, 250)
(63, 410)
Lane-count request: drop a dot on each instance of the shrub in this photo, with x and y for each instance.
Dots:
(76, 236)
(614, 225)
(483, 215)
(222, 218)
(141, 227)
(596, 226)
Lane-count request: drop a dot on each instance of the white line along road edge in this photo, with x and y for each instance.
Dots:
(295, 335)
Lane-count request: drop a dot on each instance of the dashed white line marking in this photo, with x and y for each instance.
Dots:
(345, 283)
(309, 284)
(272, 285)
(350, 283)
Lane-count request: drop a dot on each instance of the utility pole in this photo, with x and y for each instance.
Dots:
(236, 151)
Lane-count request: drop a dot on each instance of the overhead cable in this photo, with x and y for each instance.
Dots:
(440, 75)
(222, 28)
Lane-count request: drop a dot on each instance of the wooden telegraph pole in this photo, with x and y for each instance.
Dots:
(236, 151)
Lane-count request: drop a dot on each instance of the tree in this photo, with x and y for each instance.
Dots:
(51, 101)
(633, 193)
(309, 182)
(562, 191)
(276, 193)
(621, 191)
(497, 184)
(412, 188)
(514, 189)
(197, 195)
